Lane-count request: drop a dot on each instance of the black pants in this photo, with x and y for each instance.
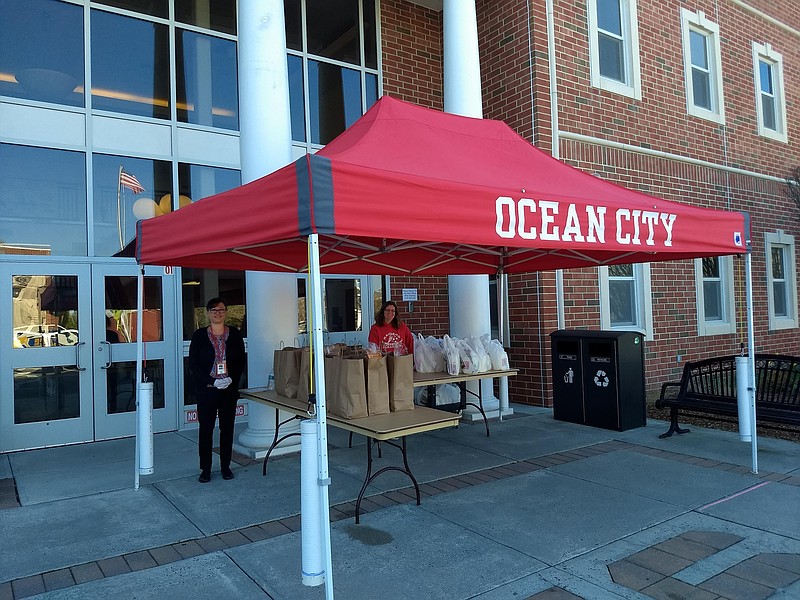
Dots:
(211, 402)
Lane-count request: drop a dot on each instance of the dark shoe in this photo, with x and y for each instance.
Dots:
(205, 476)
(226, 473)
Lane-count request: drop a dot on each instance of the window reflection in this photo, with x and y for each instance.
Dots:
(130, 65)
(333, 33)
(41, 51)
(200, 285)
(154, 8)
(43, 195)
(44, 310)
(206, 80)
(334, 98)
(341, 310)
(121, 313)
(219, 15)
(121, 388)
(297, 98)
(46, 394)
(119, 202)
(196, 182)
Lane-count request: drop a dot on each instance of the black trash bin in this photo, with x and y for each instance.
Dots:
(598, 378)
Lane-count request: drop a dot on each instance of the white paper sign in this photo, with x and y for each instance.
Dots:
(409, 294)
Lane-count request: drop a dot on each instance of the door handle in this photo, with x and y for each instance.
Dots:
(108, 358)
(78, 356)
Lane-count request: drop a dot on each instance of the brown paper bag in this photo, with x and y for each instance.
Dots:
(377, 382)
(286, 369)
(302, 379)
(349, 397)
(401, 382)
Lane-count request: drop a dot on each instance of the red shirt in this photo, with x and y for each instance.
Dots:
(387, 338)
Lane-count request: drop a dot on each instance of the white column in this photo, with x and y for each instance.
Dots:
(469, 294)
(265, 145)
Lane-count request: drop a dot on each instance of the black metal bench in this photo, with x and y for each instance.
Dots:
(709, 386)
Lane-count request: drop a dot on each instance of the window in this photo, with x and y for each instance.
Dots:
(702, 67)
(625, 298)
(614, 46)
(41, 51)
(781, 285)
(206, 80)
(333, 66)
(43, 195)
(770, 102)
(125, 190)
(715, 299)
(130, 77)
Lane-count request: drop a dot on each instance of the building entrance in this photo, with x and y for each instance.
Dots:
(68, 375)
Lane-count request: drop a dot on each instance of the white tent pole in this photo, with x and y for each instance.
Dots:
(751, 351)
(139, 367)
(318, 356)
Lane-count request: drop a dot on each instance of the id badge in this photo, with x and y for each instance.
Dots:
(222, 368)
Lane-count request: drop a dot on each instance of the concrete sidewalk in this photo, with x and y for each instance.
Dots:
(541, 509)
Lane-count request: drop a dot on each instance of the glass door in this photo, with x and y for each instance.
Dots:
(46, 372)
(114, 291)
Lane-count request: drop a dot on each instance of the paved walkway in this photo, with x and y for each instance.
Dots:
(541, 509)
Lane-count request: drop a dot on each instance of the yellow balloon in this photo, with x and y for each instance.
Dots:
(184, 201)
(166, 203)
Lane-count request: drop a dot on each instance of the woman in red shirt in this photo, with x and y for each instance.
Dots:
(389, 333)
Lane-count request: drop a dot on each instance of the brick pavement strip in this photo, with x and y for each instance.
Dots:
(55, 580)
(86, 572)
(763, 573)
(659, 561)
(718, 540)
(554, 593)
(735, 588)
(293, 522)
(6, 592)
(382, 500)
(233, 538)
(163, 555)
(188, 549)
(211, 543)
(28, 586)
(669, 589)
(254, 533)
(115, 565)
(787, 562)
(138, 561)
(686, 548)
(632, 575)
(275, 528)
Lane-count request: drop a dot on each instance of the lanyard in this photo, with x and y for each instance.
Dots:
(218, 342)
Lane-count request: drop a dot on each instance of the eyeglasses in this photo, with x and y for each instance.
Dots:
(218, 311)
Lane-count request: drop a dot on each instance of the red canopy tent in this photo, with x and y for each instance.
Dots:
(466, 196)
(409, 190)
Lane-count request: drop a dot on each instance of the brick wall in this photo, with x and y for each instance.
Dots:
(514, 73)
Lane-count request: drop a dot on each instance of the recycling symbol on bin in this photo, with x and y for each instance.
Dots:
(601, 379)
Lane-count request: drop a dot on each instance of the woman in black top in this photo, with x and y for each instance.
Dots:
(216, 363)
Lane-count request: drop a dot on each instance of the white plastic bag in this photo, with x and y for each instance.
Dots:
(452, 356)
(447, 393)
(498, 355)
(484, 362)
(470, 363)
(424, 358)
(435, 347)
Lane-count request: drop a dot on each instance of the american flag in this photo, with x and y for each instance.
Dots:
(129, 181)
